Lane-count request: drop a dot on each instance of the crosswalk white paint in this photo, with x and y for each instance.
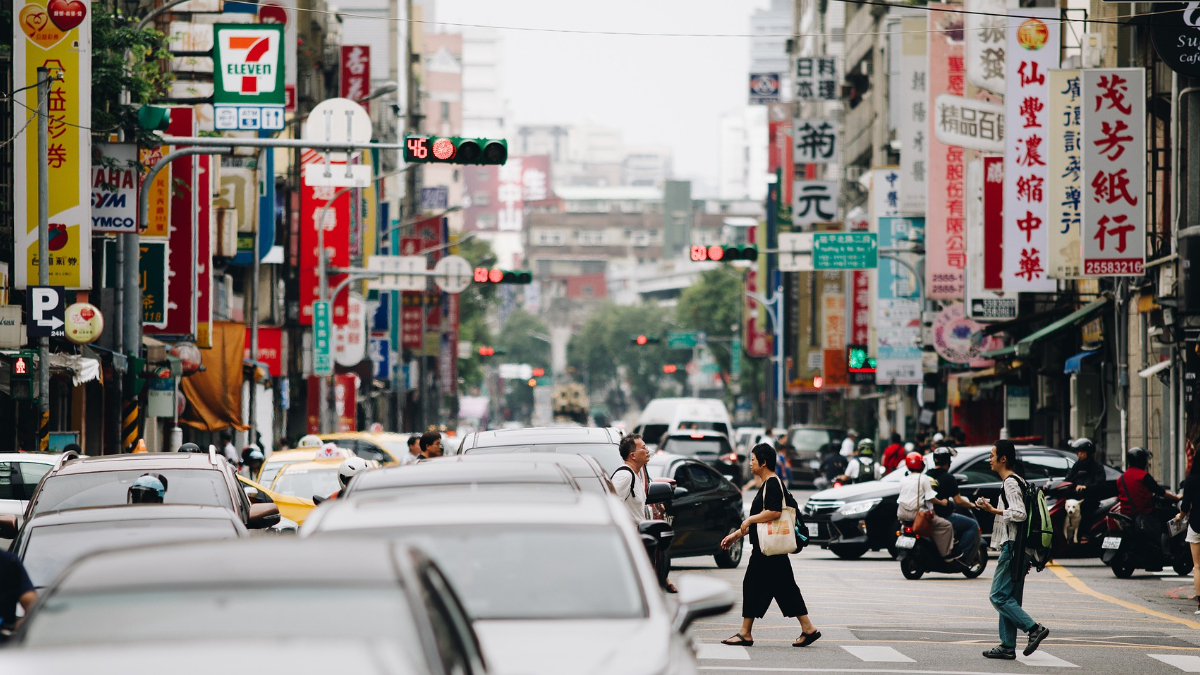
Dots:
(1188, 664)
(1042, 659)
(729, 652)
(877, 654)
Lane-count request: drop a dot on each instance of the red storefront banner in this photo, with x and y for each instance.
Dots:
(204, 248)
(181, 271)
(993, 223)
(312, 412)
(356, 73)
(860, 308)
(945, 222)
(337, 239)
(270, 348)
(345, 401)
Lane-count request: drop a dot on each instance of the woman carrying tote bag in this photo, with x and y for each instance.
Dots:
(768, 577)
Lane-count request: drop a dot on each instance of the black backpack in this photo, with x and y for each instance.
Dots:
(626, 468)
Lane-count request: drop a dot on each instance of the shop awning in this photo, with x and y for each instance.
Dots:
(81, 369)
(1075, 363)
(1025, 345)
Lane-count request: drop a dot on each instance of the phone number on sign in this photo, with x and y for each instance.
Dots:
(1112, 267)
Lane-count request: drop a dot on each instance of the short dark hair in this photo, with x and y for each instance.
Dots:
(413, 440)
(765, 455)
(1006, 450)
(896, 437)
(628, 444)
(429, 438)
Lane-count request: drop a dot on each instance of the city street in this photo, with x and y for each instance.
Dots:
(874, 621)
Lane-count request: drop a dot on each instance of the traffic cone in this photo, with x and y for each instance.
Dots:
(141, 445)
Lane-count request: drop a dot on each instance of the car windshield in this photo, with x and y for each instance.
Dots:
(50, 548)
(272, 469)
(690, 447)
(305, 483)
(605, 453)
(151, 616)
(535, 572)
(811, 440)
(204, 487)
(653, 433)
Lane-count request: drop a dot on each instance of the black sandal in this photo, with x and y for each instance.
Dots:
(738, 641)
(807, 639)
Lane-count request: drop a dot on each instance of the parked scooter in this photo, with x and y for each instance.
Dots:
(919, 555)
(1125, 550)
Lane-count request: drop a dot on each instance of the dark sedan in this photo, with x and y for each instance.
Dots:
(711, 509)
(853, 519)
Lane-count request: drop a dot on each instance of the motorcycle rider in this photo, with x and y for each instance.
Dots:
(832, 466)
(862, 466)
(1136, 490)
(918, 493)
(1088, 476)
(966, 528)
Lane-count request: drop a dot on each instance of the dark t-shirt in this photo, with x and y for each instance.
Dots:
(14, 582)
(769, 498)
(1087, 473)
(833, 465)
(947, 487)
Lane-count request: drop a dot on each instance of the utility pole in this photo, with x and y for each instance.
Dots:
(43, 178)
(412, 185)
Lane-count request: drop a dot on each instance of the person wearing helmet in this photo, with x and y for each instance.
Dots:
(310, 441)
(1136, 490)
(893, 454)
(347, 470)
(966, 529)
(1088, 477)
(918, 493)
(862, 466)
(252, 461)
(938, 440)
(149, 488)
(190, 447)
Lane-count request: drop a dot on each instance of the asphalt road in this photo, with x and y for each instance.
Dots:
(875, 621)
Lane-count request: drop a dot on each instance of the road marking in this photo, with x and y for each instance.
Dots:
(1188, 664)
(871, 671)
(1043, 659)
(730, 652)
(1076, 583)
(878, 654)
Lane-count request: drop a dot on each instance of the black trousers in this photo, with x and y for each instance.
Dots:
(769, 577)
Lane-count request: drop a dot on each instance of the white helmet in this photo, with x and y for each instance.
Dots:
(938, 437)
(350, 468)
(309, 441)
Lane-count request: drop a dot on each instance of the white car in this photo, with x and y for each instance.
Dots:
(568, 568)
(20, 473)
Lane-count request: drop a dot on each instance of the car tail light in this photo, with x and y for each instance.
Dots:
(731, 457)
(908, 530)
(697, 436)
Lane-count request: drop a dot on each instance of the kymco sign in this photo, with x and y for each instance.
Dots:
(248, 64)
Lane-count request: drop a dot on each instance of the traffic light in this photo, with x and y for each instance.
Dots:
(860, 366)
(484, 275)
(17, 376)
(455, 150)
(818, 382)
(539, 372)
(154, 117)
(723, 253)
(641, 340)
(490, 351)
(670, 368)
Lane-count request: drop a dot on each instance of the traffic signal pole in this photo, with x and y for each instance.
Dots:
(774, 307)
(43, 178)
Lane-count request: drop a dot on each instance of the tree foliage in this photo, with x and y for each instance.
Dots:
(125, 59)
(473, 306)
(517, 339)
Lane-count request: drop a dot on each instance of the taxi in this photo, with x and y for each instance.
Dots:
(385, 448)
(317, 477)
(291, 508)
(282, 458)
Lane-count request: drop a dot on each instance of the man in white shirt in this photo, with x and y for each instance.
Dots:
(231, 452)
(630, 478)
(848, 444)
(414, 451)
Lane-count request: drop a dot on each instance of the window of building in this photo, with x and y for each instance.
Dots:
(593, 238)
(482, 199)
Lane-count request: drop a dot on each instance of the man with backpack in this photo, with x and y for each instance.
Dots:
(630, 478)
(1008, 536)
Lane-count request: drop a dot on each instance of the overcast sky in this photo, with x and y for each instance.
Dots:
(657, 90)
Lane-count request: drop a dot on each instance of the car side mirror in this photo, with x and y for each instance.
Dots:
(251, 493)
(701, 597)
(679, 493)
(8, 527)
(961, 477)
(660, 493)
(262, 516)
(317, 499)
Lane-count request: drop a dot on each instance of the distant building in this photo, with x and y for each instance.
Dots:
(743, 154)
(485, 111)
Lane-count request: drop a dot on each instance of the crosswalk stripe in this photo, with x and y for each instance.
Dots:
(729, 652)
(878, 654)
(1040, 658)
(1188, 664)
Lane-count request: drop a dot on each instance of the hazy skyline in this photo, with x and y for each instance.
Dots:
(657, 90)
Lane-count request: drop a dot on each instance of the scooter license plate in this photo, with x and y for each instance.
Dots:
(1111, 543)
(814, 530)
(905, 542)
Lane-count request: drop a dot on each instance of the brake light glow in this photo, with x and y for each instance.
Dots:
(697, 435)
(731, 457)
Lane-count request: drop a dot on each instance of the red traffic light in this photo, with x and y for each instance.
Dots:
(496, 276)
(539, 372)
(641, 339)
(818, 382)
(716, 252)
(443, 149)
(487, 351)
(670, 368)
(20, 366)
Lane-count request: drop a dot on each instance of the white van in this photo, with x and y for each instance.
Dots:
(664, 416)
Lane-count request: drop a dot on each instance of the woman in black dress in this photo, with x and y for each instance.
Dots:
(768, 577)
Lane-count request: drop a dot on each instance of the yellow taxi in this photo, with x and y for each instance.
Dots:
(385, 448)
(292, 508)
(282, 458)
(304, 480)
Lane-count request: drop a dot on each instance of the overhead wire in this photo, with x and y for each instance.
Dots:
(27, 122)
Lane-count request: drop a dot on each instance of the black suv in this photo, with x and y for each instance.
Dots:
(192, 478)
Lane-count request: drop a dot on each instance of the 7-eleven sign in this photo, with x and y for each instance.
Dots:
(248, 64)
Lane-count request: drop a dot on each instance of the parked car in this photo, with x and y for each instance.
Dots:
(663, 416)
(809, 444)
(598, 442)
(185, 602)
(50, 542)
(710, 447)
(20, 473)
(565, 567)
(711, 509)
(853, 519)
(193, 478)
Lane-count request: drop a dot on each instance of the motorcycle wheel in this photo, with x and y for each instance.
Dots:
(1182, 567)
(893, 551)
(1123, 569)
(980, 564)
(911, 568)
(731, 557)
(849, 551)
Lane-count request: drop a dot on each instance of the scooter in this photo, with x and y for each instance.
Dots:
(919, 555)
(1124, 550)
(1092, 529)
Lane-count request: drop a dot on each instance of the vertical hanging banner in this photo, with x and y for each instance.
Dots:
(56, 35)
(158, 223)
(985, 43)
(815, 141)
(1114, 171)
(983, 304)
(205, 229)
(337, 240)
(180, 317)
(1033, 46)
(993, 223)
(1066, 168)
(914, 109)
(355, 80)
(945, 243)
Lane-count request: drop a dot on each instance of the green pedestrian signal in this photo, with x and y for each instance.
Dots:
(154, 117)
(860, 365)
(455, 150)
(723, 253)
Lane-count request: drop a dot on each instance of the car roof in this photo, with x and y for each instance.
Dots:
(313, 465)
(541, 435)
(463, 506)
(568, 460)
(435, 472)
(696, 433)
(96, 514)
(144, 461)
(293, 455)
(35, 457)
(258, 562)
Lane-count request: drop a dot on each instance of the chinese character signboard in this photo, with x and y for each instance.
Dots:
(914, 108)
(860, 307)
(982, 304)
(180, 316)
(967, 123)
(993, 223)
(815, 141)
(356, 73)
(817, 78)
(1114, 171)
(152, 270)
(114, 189)
(985, 44)
(337, 239)
(764, 88)
(945, 240)
(160, 192)
(56, 35)
(506, 190)
(814, 201)
(897, 310)
(1033, 36)
(754, 322)
(1066, 169)
(248, 76)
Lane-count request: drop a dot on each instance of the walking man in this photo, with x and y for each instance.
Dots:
(632, 486)
(1009, 578)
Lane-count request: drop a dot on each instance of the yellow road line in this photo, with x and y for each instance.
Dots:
(1077, 584)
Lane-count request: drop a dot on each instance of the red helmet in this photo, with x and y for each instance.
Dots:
(915, 461)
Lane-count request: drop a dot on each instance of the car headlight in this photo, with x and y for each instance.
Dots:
(814, 464)
(858, 508)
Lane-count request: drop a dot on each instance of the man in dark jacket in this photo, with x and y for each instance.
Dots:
(1088, 476)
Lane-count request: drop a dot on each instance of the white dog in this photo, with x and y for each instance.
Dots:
(1073, 519)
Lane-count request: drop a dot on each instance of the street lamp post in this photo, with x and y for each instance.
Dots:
(774, 307)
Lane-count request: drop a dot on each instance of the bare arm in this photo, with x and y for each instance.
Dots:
(26, 601)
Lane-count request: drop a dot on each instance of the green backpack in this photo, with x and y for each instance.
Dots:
(1039, 531)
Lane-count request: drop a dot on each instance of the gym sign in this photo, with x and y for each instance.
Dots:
(248, 74)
